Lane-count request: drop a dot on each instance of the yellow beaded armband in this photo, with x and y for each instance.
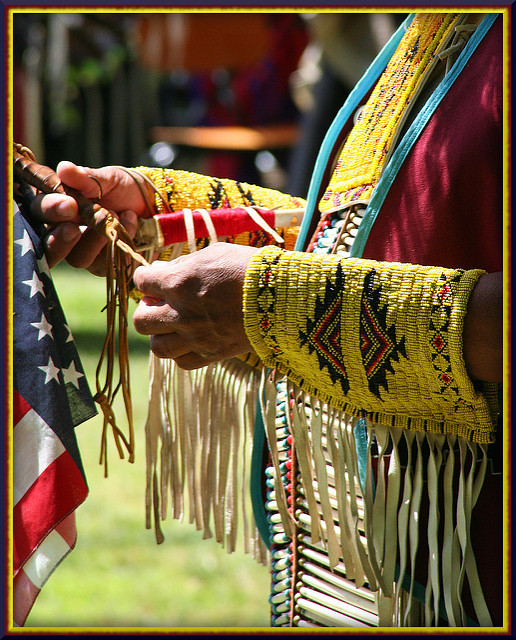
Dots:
(176, 190)
(378, 340)
(183, 189)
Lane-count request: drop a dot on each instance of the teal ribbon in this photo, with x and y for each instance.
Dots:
(259, 444)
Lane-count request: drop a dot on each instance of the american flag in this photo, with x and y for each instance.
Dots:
(50, 398)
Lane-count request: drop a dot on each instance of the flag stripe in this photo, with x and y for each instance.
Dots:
(29, 581)
(49, 554)
(24, 594)
(67, 530)
(35, 447)
(41, 508)
(20, 407)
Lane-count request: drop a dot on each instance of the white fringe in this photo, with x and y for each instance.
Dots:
(379, 548)
(199, 436)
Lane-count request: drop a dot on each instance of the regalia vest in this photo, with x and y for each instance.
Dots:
(339, 492)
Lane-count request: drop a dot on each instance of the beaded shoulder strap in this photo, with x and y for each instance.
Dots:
(328, 145)
(400, 154)
(364, 175)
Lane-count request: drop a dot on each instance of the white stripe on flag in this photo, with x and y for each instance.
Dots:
(35, 447)
(46, 558)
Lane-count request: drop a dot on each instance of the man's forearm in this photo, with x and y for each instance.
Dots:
(483, 342)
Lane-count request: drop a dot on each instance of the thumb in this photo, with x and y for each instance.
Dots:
(112, 186)
(150, 280)
(92, 183)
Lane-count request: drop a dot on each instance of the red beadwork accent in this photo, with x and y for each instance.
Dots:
(227, 222)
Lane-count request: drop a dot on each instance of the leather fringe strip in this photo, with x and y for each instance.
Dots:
(366, 526)
(199, 446)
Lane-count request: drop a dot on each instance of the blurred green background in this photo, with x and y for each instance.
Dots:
(117, 576)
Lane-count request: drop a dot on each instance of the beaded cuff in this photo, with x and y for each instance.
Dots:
(378, 340)
(184, 189)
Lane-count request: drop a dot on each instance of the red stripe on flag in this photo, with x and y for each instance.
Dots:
(67, 530)
(24, 595)
(42, 506)
(20, 407)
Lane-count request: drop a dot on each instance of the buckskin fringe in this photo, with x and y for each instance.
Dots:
(370, 531)
(199, 445)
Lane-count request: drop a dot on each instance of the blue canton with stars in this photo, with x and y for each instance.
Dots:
(47, 371)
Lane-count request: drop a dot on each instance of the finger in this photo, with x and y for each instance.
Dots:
(85, 252)
(173, 346)
(60, 241)
(55, 208)
(110, 186)
(153, 316)
(193, 360)
(130, 221)
(150, 280)
(98, 267)
(89, 252)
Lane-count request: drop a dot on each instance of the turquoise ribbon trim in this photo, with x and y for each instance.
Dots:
(259, 512)
(412, 134)
(360, 433)
(350, 105)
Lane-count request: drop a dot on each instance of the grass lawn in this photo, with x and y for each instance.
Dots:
(117, 576)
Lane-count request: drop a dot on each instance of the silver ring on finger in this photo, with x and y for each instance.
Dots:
(99, 197)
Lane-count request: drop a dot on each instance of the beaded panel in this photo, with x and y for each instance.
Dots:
(362, 158)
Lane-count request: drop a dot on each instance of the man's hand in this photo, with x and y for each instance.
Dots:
(192, 307)
(117, 191)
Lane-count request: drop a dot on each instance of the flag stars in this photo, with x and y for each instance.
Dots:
(72, 375)
(70, 336)
(43, 266)
(50, 370)
(25, 243)
(35, 285)
(44, 327)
